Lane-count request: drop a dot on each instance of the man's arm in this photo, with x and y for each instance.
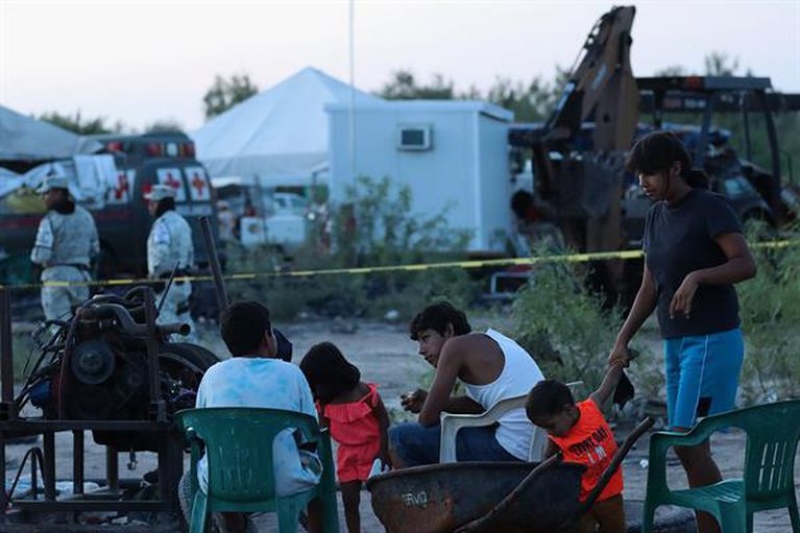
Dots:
(463, 405)
(606, 389)
(413, 401)
(449, 365)
(43, 246)
(159, 253)
(94, 242)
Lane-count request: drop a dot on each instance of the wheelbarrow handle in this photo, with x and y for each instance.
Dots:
(478, 524)
(616, 461)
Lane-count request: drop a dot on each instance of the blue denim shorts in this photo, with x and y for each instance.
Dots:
(702, 375)
(418, 445)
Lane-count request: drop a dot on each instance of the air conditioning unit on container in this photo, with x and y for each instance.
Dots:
(414, 137)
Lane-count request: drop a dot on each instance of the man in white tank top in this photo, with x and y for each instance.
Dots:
(491, 366)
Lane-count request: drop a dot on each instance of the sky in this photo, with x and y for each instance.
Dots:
(145, 61)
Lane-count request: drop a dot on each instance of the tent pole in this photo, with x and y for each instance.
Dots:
(352, 125)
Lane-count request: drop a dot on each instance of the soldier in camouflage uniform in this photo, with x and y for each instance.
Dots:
(66, 243)
(170, 244)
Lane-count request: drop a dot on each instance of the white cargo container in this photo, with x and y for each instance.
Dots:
(450, 153)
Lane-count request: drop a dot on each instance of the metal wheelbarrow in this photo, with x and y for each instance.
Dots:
(473, 497)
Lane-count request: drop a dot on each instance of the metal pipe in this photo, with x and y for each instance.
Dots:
(213, 261)
(127, 323)
(775, 183)
(34, 476)
(49, 465)
(112, 469)
(157, 406)
(167, 288)
(78, 451)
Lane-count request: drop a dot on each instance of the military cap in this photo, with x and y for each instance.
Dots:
(53, 181)
(159, 192)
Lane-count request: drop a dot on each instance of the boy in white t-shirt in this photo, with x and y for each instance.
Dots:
(256, 377)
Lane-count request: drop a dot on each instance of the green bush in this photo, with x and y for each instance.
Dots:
(770, 311)
(373, 227)
(562, 324)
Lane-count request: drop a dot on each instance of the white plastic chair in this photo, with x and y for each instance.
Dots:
(451, 423)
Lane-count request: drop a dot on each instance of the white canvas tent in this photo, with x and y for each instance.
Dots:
(27, 139)
(279, 136)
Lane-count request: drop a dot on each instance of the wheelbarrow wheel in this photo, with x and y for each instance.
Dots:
(669, 519)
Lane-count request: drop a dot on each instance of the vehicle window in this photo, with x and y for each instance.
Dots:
(738, 187)
(299, 203)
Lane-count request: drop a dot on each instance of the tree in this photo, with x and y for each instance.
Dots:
(403, 86)
(164, 126)
(674, 70)
(226, 93)
(532, 102)
(719, 64)
(79, 125)
(529, 102)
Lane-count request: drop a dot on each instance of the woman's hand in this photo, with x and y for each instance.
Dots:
(682, 300)
(619, 355)
(413, 400)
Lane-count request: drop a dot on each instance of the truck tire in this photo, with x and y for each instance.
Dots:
(186, 360)
(669, 519)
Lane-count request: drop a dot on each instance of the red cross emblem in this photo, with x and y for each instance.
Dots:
(172, 182)
(121, 190)
(198, 183)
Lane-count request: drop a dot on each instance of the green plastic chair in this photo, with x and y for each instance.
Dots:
(768, 482)
(238, 441)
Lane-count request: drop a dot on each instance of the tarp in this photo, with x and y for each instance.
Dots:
(90, 177)
(27, 139)
(279, 136)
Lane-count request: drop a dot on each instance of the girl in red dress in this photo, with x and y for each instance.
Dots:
(356, 416)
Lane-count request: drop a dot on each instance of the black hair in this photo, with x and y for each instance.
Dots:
(285, 348)
(243, 325)
(64, 205)
(328, 373)
(658, 151)
(164, 205)
(436, 317)
(548, 398)
(521, 202)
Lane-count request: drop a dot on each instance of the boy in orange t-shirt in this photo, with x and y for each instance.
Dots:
(581, 434)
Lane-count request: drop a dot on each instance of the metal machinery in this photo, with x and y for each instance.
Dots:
(578, 155)
(109, 370)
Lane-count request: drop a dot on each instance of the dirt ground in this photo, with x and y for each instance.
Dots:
(386, 356)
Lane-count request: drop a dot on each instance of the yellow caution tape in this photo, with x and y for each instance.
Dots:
(560, 258)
